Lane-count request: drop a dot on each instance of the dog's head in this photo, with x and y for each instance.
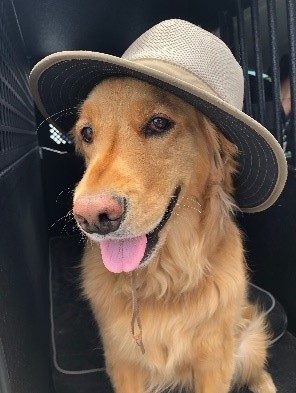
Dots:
(150, 158)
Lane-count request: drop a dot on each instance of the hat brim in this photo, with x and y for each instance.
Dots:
(61, 82)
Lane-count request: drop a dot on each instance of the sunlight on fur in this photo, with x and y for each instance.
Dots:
(199, 331)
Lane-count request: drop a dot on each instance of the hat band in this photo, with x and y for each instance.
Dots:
(177, 72)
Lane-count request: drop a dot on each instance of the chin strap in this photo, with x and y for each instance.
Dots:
(136, 316)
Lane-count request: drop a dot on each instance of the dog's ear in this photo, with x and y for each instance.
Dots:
(218, 202)
(225, 162)
(223, 166)
(222, 156)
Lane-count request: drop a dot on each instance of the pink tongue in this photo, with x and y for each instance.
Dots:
(123, 255)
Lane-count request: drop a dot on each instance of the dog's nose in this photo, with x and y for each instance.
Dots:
(100, 214)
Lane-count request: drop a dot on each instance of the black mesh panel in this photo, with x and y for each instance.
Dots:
(24, 334)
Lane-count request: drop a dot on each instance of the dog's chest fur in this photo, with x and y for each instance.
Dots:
(167, 336)
(173, 331)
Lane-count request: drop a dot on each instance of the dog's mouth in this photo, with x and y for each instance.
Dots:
(152, 237)
(126, 255)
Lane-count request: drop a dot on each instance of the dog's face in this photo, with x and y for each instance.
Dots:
(145, 151)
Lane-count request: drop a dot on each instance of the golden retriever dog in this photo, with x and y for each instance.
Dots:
(163, 247)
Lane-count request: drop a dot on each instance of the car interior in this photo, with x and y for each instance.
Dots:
(49, 342)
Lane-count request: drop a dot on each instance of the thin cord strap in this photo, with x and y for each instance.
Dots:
(136, 315)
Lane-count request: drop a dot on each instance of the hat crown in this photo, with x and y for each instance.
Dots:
(194, 49)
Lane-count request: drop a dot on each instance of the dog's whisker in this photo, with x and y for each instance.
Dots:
(183, 216)
(191, 198)
(189, 207)
(66, 190)
(64, 226)
(68, 216)
(82, 236)
(63, 229)
(69, 213)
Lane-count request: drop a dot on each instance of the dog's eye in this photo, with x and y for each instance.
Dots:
(87, 134)
(158, 125)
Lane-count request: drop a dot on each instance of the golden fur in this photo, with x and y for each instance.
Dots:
(199, 331)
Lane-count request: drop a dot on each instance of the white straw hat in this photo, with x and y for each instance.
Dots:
(189, 62)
